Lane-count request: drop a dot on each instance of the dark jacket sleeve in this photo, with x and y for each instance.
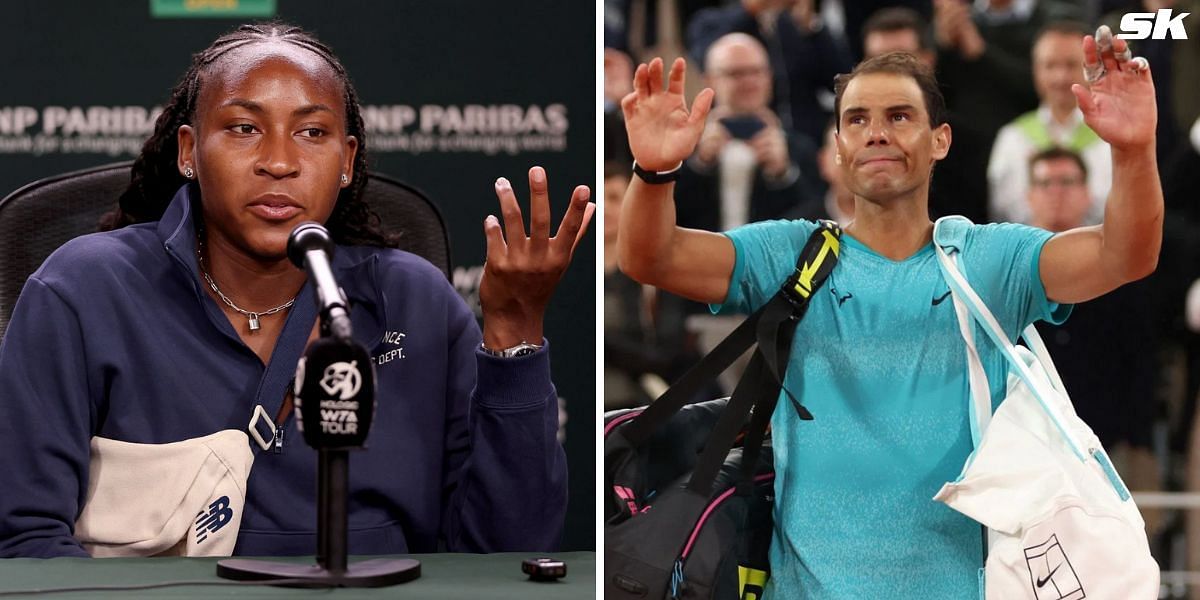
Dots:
(506, 473)
(698, 191)
(46, 423)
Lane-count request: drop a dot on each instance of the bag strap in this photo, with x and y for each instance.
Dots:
(1042, 390)
(754, 382)
(772, 326)
(773, 323)
(762, 382)
(798, 290)
(950, 232)
(760, 419)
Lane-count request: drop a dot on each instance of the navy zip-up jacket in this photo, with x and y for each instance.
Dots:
(115, 337)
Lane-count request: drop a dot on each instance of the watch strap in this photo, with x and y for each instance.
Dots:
(657, 177)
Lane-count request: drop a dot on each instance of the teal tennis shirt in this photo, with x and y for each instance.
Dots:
(880, 363)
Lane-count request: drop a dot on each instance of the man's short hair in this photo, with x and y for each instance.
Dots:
(1062, 27)
(1057, 153)
(900, 18)
(899, 63)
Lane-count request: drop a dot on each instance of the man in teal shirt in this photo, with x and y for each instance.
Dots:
(879, 360)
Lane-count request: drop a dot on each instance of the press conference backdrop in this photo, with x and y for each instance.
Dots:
(455, 94)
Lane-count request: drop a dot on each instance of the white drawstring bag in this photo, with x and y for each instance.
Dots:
(179, 499)
(1061, 523)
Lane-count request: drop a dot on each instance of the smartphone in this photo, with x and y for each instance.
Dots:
(743, 127)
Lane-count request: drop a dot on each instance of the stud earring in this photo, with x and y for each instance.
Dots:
(345, 179)
(188, 172)
(837, 158)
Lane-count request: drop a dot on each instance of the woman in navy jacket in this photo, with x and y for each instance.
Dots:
(188, 316)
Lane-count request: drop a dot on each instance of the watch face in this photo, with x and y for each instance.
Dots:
(523, 351)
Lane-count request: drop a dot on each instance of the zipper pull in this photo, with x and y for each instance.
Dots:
(677, 578)
(278, 439)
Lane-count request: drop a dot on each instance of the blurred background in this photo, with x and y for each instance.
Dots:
(1021, 153)
(455, 94)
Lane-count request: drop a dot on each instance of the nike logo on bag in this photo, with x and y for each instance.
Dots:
(1042, 581)
(937, 301)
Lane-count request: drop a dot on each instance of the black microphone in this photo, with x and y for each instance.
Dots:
(335, 394)
(334, 398)
(310, 247)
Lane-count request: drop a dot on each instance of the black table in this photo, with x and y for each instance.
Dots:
(449, 576)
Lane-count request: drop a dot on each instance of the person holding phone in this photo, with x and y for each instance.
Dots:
(747, 167)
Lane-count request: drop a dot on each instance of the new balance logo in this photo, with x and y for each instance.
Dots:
(217, 515)
(1156, 26)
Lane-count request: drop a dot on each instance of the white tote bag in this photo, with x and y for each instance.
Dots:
(1062, 525)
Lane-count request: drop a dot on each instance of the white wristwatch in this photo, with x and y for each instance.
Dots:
(522, 349)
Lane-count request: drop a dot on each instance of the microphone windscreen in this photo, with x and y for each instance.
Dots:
(308, 235)
(335, 394)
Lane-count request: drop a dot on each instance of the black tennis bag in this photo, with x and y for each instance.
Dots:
(690, 487)
(732, 534)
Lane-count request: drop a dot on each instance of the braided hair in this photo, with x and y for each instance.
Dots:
(155, 176)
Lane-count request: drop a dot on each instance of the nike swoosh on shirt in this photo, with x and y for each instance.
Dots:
(937, 301)
(1042, 581)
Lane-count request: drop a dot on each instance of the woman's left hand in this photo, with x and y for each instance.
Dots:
(521, 271)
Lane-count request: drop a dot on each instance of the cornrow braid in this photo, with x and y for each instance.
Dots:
(155, 176)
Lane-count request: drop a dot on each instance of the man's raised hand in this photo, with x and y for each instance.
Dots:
(662, 132)
(1120, 105)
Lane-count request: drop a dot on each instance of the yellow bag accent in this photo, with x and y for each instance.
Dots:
(751, 583)
(807, 272)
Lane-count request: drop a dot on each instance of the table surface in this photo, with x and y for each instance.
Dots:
(447, 576)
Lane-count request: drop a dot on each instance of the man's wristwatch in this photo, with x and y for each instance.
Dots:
(657, 177)
(522, 349)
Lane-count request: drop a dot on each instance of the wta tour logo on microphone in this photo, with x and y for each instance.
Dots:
(341, 382)
(335, 394)
(339, 413)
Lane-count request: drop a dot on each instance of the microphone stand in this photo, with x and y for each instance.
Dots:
(333, 487)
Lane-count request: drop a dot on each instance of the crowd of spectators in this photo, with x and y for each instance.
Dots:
(1020, 153)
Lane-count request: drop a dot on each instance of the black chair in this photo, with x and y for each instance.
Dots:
(39, 217)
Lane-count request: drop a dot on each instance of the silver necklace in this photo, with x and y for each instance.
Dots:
(252, 316)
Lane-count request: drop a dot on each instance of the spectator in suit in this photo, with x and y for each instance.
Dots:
(805, 56)
(747, 167)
